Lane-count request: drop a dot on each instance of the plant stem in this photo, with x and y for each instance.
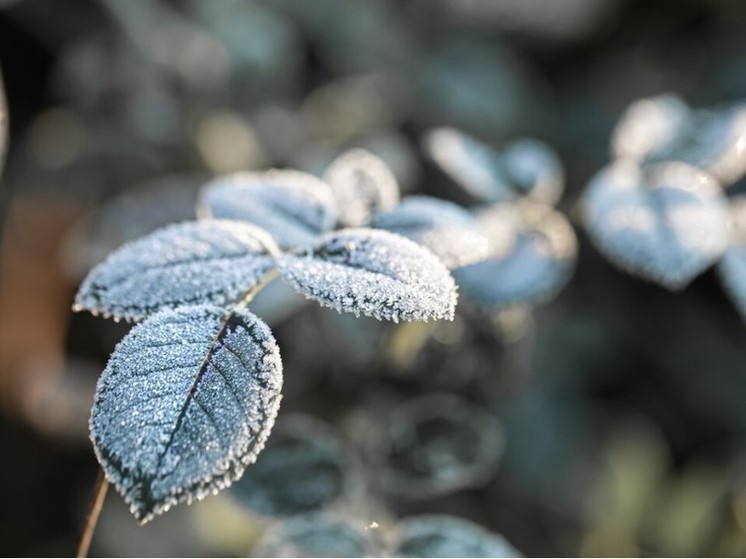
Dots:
(100, 488)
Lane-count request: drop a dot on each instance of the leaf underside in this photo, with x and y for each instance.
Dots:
(374, 273)
(186, 402)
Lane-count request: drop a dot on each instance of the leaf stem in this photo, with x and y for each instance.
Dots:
(261, 284)
(100, 489)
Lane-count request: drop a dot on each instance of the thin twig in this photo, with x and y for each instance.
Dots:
(102, 484)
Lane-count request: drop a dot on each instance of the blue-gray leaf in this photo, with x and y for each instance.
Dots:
(186, 402)
(294, 207)
(434, 535)
(532, 167)
(732, 267)
(666, 223)
(211, 261)
(361, 184)
(537, 256)
(375, 273)
(446, 229)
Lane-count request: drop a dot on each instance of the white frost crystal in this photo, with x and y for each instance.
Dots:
(375, 273)
(732, 267)
(186, 402)
(212, 261)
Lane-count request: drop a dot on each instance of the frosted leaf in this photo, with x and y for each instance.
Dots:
(185, 403)
(374, 273)
(361, 184)
(3, 125)
(317, 535)
(212, 261)
(537, 259)
(294, 207)
(732, 267)
(437, 444)
(666, 224)
(532, 167)
(436, 535)
(305, 467)
(446, 229)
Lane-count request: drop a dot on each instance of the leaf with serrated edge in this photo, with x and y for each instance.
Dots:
(448, 230)
(537, 255)
(732, 267)
(666, 223)
(294, 207)
(186, 402)
(361, 184)
(375, 273)
(212, 261)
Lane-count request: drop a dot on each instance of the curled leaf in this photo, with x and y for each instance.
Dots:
(448, 230)
(732, 267)
(294, 207)
(435, 535)
(212, 261)
(665, 223)
(536, 256)
(362, 184)
(375, 273)
(185, 403)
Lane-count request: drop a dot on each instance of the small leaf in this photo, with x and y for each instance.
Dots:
(361, 184)
(436, 535)
(448, 230)
(534, 168)
(536, 256)
(305, 467)
(375, 273)
(212, 261)
(732, 267)
(186, 402)
(293, 206)
(665, 223)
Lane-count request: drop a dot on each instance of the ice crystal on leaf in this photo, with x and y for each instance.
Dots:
(211, 261)
(186, 402)
(294, 207)
(666, 223)
(732, 267)
(374, 273)
(446, 229)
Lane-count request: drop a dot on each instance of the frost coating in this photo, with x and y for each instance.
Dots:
(212, 261)
(448, 230)
(732, 267)
(538, 256)
(667, 223)
(436, 535)
(361, 184)
(293, 206)
(375, 273)
(185, 403)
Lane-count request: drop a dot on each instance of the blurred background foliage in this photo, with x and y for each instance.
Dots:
(609, 422)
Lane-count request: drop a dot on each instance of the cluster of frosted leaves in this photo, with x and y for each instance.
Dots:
(732, 267)
(318, 535)
(305, 467)
(448, 230)
(210, 261)
(448, 536)
(439, 444)
(666, 223)
(664, 128)
(523, 167)
(3, 125)
(373, 273)
(186, 402)
(294, 207)
(362, 184)
(535, 255)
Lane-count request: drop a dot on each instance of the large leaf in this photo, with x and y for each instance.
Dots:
(732, 267)
(537, 255)
(665, 223)
(375, 273)
(446, 229)
(186, 402)
(293, 206)
(211, 261)
(361, 184)
(436, 535)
